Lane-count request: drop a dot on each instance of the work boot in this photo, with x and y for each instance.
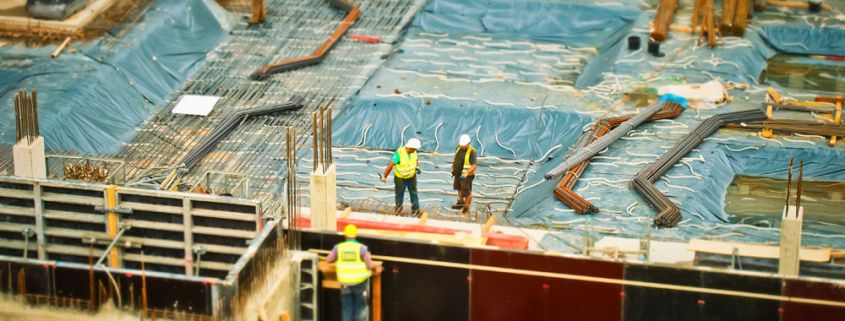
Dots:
(465, 211)
(397, 210)
(415, 213)
(458, 205)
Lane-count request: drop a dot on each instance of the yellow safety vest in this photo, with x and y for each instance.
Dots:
(467, 165)
(351, 269)
(407, 166)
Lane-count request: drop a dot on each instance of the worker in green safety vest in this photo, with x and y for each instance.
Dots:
(404, 165)
(354, 267)
(463, 171)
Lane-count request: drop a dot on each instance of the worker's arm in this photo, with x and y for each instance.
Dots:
(332, 256)
(387, 171)
(368, 260)
(393, 161)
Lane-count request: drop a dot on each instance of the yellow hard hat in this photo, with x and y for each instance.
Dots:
(350, 231)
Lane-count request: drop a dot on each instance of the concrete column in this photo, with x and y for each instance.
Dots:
(29, 159)
(790, 240)
(324, 199)
(188, 235)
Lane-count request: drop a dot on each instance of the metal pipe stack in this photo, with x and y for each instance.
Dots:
(669, 214)
(563, 191)
(588, 151)
(26, 117)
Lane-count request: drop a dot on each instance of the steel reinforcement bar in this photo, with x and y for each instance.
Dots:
(669, 214)
(318, 55)
(228, 124)
(563, 191)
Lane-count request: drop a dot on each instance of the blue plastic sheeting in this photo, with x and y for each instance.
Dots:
(463, 65)
(573, 23)
(799, 39)
(737, 59)
(505, 132)
(80, 92)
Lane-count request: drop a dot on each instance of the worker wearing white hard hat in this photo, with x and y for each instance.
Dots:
(463, 171)
(404, 165)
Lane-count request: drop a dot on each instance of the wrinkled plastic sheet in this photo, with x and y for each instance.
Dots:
(451, 70)
(91, 100)
(54, 9)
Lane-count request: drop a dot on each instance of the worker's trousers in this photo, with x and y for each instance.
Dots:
(355, 302)
(400, 185)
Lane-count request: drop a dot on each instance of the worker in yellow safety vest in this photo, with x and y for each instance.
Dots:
(463, 171)
(354, 267)
(404, 165)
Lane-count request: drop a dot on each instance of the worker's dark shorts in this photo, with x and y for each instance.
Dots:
(465, 185)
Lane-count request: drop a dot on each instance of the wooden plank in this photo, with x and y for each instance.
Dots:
(72, 199)
(223, 232)
(176, 261)
(152, 225)
(16, 210)
(15, 193)
(223, 215)
(74, 216)
(756, 250)
(70, 26)
(167, 209)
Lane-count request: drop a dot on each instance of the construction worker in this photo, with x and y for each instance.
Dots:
(463, 170)
(354, 267)
(404, 165)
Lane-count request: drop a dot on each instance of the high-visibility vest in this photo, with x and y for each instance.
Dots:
(351, 269)
(407, 166)
(467, 165)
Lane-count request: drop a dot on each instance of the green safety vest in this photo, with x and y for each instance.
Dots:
(467, 165)
(407, 166)
(351, 269)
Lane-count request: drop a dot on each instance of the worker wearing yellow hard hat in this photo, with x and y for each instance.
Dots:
(354, 265)
(404, 164)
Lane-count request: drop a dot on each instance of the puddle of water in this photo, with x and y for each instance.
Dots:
(806, 73)
(760, 201)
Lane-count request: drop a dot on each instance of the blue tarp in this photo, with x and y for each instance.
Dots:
(91, 100)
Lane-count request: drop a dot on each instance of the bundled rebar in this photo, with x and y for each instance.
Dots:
(26, 116)
(563, 191)
(668, 213)
(228, 124)
(321, 133)
(352, 14)
(599, 144)
(292, 233)
(794, 126)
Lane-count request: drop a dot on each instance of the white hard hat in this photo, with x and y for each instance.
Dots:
(413, 143)
(464, 140)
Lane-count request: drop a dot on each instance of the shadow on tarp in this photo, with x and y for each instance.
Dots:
(92, 99)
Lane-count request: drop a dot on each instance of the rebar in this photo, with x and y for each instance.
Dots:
(563, 191)
(318, 55)
(26, 116)
(227, 125)
(788, 182)
(669, 214)
(599, 144)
